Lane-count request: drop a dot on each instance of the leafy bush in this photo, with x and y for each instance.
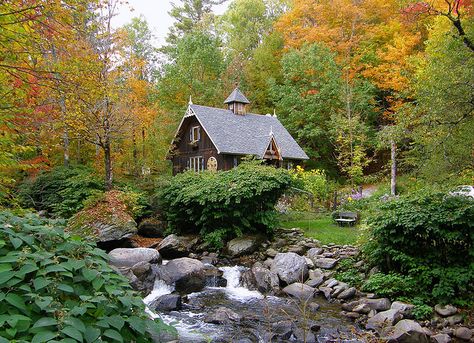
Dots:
(428, 237)
(55, 287)
(346, 272)
(390, 285)
(222, 205)
(314, 181)
(60, 191)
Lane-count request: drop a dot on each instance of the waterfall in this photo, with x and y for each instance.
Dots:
(159, 288)
(234, 289)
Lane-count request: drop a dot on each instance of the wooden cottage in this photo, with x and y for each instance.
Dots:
(211, 138)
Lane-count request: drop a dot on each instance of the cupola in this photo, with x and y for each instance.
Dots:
(236, 102)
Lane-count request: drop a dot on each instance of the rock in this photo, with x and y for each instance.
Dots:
(362, 308)
(347, 294)
(283, 329)
(222, 315)
(309, 262)
(446, 310)
(167, 302)
(326, 291)
(297, 249)
(141, 269)
(404, 308)
(463, 333)
(214, 276)
(330, 283)
(173, 246)
(305, 336)
(271, 252)
(290, 267)
(313, 307)
(314, 253)
(243, 245)
(456, 319)
(315, 282)
(325, 263)
(151, 227)
(128, 257)
(351, 315)
(383, 319)
(440, 338)
(349, 306)
(381, 304)
(261, 279)
(187, 274)
(407, 331)
(300, 291)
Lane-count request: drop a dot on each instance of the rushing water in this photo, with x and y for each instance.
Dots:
(258, 313)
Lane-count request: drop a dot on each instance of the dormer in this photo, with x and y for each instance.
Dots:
(237, 102)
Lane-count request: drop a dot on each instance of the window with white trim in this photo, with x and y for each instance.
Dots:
(195, 133)
(196, 163)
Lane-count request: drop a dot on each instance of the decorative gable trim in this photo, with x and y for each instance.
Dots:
(272, 142)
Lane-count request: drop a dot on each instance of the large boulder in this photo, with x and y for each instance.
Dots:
(261, 279)
(107, 219)
(222, 315)
(445, 310)
(187, 274)
(290, 267)
(407, 331)
(167, 302)
(300, 291)
(128, 257)
(243, 245)
(173, 246)
(383, 319)
(325, 262)
(378, 304)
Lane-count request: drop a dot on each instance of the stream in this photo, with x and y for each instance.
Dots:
(259, 314)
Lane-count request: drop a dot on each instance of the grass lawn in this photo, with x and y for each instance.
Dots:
(320, 227)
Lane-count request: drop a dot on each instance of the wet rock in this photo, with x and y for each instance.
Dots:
(347, 294)
(151, 227)
(350, 306)
(243, 245)
(381, 304)
(167, 302)
(407, 331)
(261, 279)
(300, 291)
(445, 310)
(325, 263)
(314, 253)
(173, 246)
(383, 319)
(283, 329)
(141, 269)
(456, 319)
(290, 267)
(214, 276)
(463, 333)
(128, 257)
(187, 274)
(326, 291)
(440, 338)
(222, 315)
(315, 282)
(271, 252)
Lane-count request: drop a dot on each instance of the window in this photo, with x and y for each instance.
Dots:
(240, 108)
(236, 161)
(196, 163)
(194, 134)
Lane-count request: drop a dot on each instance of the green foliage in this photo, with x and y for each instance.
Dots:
(346, 272)
(390, 285)
(221, 205)
(313, 181)
(60, 191)
(421, 311)
(54, 286)
(428, 237)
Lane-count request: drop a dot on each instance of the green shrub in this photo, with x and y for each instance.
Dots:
(55, 287)
(346, 272)
(222, 205)
(390, 285)
(428, 237)
(421, 311)
(60, 191)
(314, 181)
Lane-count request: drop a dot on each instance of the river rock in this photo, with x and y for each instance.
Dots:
(167, 302)
(243, 245)
(141, 269)
(383, 319)
(271, 252)
(441, 338)
(314, 253)
(300, 291)
(214, 276)
(463, 333)
(128, 257)
(325, 263)
(283, 329)
(187, 274)
(315, 282)
(347, 294)
(380, 304)
(173, 246)
(407, 331)
(404, 308)
(151, 227)
(362, 308)
(455, 319)
(222, 315)
(290, 267)
(303, 335)
(445, 310)
(261, 279)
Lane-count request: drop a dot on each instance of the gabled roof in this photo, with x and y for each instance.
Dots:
(236, 96)
(247, 134)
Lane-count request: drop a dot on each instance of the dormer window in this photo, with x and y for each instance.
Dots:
(236, 102)
(240, 108)
(195, 134)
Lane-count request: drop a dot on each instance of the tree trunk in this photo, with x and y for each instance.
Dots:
(66, 147)
(135, 155)
(108, 166)
(393, 174)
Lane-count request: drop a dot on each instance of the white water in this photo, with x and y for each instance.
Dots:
(234, 289)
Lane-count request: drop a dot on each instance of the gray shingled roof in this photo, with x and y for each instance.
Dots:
(236, 96)
(247, 134)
